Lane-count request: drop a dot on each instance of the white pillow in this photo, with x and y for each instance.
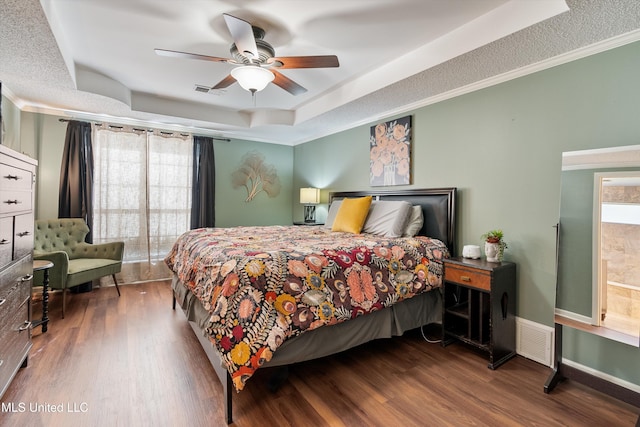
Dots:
(387, 218)
(416, 220)
(331, 215)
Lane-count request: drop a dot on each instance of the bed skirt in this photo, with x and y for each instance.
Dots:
(412, 313)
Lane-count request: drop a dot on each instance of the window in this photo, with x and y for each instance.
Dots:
(142, 193)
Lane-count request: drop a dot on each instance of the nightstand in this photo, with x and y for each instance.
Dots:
(479, 306)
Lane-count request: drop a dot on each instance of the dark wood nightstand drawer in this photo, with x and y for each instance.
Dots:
(479, 279)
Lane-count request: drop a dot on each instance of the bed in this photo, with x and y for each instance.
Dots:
(272, 296)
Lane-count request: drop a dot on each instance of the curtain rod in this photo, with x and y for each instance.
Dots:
(216, 138)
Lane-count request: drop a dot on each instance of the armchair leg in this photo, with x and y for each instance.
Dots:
(64, 301)
(116, 282)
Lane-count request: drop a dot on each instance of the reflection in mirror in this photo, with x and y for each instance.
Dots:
(598, 277)
(617, 250)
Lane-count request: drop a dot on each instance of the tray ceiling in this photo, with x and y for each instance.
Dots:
(94, 59)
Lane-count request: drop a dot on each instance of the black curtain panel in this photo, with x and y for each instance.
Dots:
(204, 183)
(76, 175)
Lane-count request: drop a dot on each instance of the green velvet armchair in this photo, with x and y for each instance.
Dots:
(75, 262)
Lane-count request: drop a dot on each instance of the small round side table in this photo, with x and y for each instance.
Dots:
(43, 265)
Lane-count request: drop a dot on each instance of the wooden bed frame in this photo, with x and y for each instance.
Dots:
(438, 206)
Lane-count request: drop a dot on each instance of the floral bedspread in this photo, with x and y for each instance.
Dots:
(263, 285)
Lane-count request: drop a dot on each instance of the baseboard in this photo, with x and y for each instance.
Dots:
(535, 341)
(635, 388)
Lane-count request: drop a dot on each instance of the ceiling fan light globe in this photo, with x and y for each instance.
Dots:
(252, 78)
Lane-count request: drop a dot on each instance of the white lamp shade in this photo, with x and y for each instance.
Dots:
(309, 196)
(252, 77)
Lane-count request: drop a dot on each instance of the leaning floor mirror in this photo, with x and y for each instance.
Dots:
(598, 287)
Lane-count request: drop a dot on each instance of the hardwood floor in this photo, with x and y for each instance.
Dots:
(133, 361)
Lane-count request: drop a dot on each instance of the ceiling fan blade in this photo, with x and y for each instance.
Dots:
(320, 61)
(242, 34)
(287, 84)
(226, 82)
(177, 54)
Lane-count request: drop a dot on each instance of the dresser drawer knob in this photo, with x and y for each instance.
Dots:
(23, 234)
(10, 177)
(12, 202)
(5, 242)
(26, 278)
(26, 326)
(465, 278)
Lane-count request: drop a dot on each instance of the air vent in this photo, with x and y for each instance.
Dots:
(203, 89)
(534, 341)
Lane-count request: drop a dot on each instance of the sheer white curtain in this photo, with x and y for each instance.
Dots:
(142, 195)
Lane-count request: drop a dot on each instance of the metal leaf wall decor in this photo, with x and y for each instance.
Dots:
(256, 176)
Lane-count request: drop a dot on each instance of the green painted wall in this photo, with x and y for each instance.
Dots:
(231, 208)
(44, 135)
(10, 124)
(502, 147)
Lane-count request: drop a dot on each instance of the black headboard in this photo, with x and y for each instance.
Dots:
(438, 209)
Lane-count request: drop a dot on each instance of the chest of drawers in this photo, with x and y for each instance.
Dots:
(17, 177)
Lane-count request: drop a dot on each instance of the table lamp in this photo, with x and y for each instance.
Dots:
(309, 197)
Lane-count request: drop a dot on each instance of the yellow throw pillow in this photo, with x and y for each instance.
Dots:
(351, 215)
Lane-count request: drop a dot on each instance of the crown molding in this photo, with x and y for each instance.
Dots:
(580, 53)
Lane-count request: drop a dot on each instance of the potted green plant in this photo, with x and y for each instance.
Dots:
(494, 245)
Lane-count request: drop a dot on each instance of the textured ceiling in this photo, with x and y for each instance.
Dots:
(94, 59)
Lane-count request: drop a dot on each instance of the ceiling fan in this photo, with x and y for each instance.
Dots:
(256, 61)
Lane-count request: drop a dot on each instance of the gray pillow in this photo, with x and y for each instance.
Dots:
(415, 222)
(387, 218)
(331, 215)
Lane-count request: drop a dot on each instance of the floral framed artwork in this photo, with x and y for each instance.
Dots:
(390, 153)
